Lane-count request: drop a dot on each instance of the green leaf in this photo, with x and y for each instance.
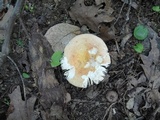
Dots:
(140, 32)
(55, 58)
(26, 75)
(139, 47)
(26, 7)
(156, 8)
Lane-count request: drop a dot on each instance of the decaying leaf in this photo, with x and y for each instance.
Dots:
(52, 94)
(152, 72)
(91, 16)
(150, 62)
(106, 33)
(137, 87)
(107, 4)
(130, 103)
(153, 96)
(23, 110)
(137, 102)
(92, 92)
(60, 34)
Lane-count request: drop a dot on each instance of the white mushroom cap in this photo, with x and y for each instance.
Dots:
(85, 60)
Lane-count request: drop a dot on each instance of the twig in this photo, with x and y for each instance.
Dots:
(108, 109)
(117, 46)
(127, 15)
(24, 90)
(8, 29)
(86, 101)
(123, 62)
(119, 13)
(24, 28)
(129, 9)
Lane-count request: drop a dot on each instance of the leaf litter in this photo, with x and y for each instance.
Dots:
(144, 93)
(141, 94)
(92, 15)
(19, 109)
(53, 95)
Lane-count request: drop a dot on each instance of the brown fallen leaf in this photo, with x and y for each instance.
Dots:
(138, 93)
(106, 33)
(52, 93)
(150, 66)
(91, 16)
(60, 34)
(151, 61)
(23, 110)
(107, 3)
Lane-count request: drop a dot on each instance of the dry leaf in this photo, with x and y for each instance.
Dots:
(130, 103)
(137, 102)
(107, 3)
(142, 79)
(105, 32)
(151, 61)
(132, 83)
(135, 91)
(52, 94)
(22, 110)
(92, 92)
(153, 96)
(60, 34)
(151, 69)
(91, 16)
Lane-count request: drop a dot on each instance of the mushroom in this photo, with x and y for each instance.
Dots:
(85, 60)
(112, 96)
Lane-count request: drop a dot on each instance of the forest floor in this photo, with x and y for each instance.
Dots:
(131, 89)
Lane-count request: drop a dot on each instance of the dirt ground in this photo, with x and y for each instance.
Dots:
(126, 80)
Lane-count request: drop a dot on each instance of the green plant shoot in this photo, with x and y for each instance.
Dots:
(25, 75)
(156, 8)
(139, 47)
(140, 32)
(29, 7)
(55, 58)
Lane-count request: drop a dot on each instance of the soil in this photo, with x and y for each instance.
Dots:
(95, 102)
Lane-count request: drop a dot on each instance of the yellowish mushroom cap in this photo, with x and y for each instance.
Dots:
(85, 60)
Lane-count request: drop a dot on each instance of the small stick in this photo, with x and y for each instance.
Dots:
(119, 13)
(127, 15)
(24, 28)
(108, 110)
(24, 90)
(129, 9)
